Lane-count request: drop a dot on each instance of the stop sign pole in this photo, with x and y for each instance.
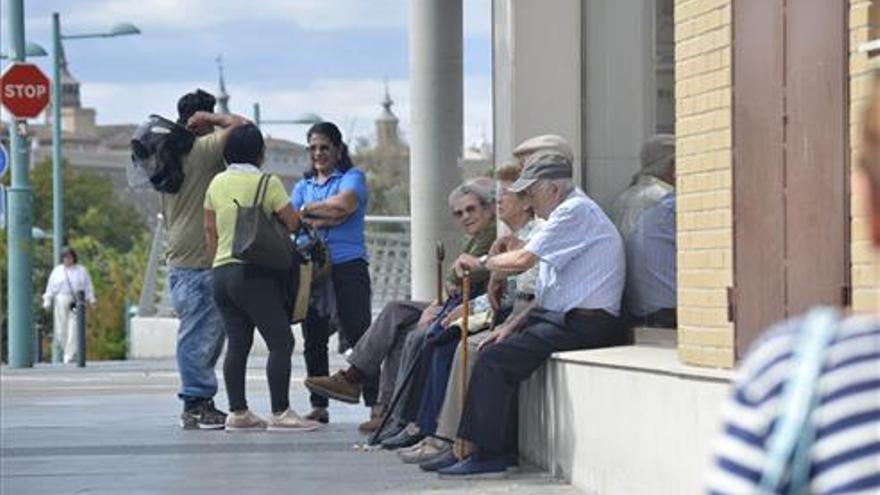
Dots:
(20, 197)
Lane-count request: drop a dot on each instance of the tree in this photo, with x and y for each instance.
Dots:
(112, 242)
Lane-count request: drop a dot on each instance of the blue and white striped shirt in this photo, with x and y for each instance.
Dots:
(845, 458)
(650, 260)
(582, 261)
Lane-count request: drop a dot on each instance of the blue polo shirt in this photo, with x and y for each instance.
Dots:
(346, 240)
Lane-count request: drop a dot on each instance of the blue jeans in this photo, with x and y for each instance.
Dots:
(200, 336)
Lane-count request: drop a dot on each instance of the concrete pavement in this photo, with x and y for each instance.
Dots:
(112, 428)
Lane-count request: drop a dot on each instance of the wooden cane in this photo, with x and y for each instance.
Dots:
(465, 323)
(441, 255)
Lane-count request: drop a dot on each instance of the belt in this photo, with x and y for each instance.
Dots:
(589, 313)
(525, 296)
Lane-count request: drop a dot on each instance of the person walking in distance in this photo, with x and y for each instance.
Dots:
(65, 282)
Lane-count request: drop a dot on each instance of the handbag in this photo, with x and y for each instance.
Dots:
(788, 448)
(260, 238)
(314, 258)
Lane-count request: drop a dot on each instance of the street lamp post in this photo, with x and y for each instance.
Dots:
(303, 119)
(121, 29)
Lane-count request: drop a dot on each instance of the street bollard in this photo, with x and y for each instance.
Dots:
(81, 329)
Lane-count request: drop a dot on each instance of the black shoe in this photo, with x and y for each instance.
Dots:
(439, 462)
(319, 414)
(202, 415)
(402, 440)
(390, 431)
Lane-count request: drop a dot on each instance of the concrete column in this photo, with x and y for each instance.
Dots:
(436, 93)
(537, 73)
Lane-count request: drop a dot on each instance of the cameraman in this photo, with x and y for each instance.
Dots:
(200, 335)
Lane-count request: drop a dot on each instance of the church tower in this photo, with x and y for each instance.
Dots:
(386, 125)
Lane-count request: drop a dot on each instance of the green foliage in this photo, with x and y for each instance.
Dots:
(387, 172)
(112, 242)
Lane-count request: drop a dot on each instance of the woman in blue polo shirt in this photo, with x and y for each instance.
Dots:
(332, 196)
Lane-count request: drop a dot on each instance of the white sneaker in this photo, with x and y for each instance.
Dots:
(290, 421)
(244, 421)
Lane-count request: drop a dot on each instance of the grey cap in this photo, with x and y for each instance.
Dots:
(658, 152)
(544, 142)
(543, 164)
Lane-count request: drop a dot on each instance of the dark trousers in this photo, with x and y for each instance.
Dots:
(438, 361)
(490, 407)
(247, 296)
(351, 284)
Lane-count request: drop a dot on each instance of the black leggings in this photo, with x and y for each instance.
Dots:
(351, 282)
(247, 296)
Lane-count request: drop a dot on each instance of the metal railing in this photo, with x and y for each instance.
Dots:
(388, 247)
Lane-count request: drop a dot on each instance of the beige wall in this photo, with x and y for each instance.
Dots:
(865, 263)
(704, 129)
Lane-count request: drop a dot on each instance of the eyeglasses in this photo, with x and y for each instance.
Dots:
(319, 147)
(469, 209)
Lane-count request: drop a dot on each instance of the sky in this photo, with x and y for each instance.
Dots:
(330, 57)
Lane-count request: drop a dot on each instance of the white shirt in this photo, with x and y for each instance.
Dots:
(58, 283)
(582, 259)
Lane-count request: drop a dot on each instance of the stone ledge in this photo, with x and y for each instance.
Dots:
(649, 359)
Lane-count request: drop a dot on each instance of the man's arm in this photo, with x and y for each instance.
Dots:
(224, 121)
(511, 262)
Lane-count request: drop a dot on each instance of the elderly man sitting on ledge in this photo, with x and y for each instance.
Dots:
(581, 275)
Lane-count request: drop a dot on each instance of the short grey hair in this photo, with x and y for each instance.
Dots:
(483, 188)
(565, 185)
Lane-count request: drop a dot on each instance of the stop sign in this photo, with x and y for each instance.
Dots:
(24, 90)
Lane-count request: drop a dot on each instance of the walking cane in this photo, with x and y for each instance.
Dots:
(465, 324)
(441, 255)
(398, 393)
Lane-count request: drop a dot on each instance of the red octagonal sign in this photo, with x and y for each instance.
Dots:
(24, 90)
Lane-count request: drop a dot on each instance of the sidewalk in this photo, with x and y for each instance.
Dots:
(111, 428)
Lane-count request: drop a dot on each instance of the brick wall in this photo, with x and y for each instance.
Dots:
(704, 126)
(863, 22)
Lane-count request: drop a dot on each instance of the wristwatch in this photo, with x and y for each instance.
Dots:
(483, 259)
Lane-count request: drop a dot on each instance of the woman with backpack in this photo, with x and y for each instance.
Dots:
(251, 292)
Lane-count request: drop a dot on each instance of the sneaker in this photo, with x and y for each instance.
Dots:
(373, 423)
(439, 462)
(390, 431)
(336, 387)
(319, 414)
(202, 416)
(244, 421)
(290, 421)
(477, 467)
(427, 450)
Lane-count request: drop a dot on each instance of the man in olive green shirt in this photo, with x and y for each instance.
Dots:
(200, 335)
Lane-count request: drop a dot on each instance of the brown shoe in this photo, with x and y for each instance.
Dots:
(319, 414)
(335, 387)
(374, 422)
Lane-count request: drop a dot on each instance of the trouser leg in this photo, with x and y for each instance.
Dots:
(351, 282)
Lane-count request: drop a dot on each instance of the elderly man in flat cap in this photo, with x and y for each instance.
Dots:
(580, 257)
(653, 181)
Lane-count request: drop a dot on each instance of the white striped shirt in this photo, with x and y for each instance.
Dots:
(845, 458)
(582, 261)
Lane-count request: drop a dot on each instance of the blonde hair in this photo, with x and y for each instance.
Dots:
(509, 172)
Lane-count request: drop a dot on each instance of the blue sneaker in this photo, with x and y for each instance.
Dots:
(477, 467)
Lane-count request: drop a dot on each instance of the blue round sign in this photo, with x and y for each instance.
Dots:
(4, 161)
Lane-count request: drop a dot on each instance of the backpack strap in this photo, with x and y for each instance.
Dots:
(262, 187)
(789, 444)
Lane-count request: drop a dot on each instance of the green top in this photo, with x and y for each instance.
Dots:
(478, 245)
(238, 185)
(183, 213)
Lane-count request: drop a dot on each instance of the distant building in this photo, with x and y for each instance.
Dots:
(104, 149)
